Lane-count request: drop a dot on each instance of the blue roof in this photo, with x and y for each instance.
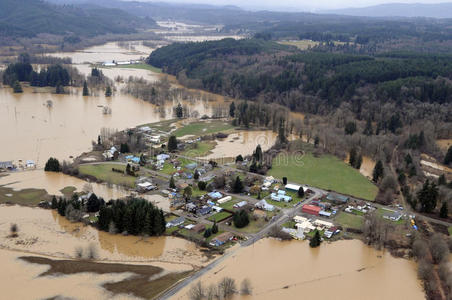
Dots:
(135, 159)
(215, 195)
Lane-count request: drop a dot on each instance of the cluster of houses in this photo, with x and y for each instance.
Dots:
(304, 226)
(144, 184)
(207, 203)
(10, 166)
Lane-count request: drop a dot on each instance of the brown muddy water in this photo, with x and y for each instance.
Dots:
(33, 130)
(340, 270)
(243, 142)
(20, 280)
(44, 232)
(124, 51)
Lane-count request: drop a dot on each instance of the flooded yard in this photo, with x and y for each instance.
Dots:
(340, 270)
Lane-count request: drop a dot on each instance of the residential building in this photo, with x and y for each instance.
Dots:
(262, 204)
(240, 204)
(175, 222)
(222, 239)
(280, 196)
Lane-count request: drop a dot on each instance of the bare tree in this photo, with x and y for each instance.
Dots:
(211, 292)
(78, 252)
(196, 291)
(14, 229)
(438, 248)
(226, 287)
(91, 252)
(420, 248)
(245, 287)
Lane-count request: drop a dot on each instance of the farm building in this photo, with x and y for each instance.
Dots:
(336, 198)
(311, 209)
(222, 239)
(224, 200)
(294, 187)
(240, 204)
(215, 195)
(393, 216)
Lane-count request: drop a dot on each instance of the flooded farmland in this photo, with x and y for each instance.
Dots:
(293, 270)
(36, 131)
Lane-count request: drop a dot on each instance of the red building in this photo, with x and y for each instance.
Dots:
(311, 209)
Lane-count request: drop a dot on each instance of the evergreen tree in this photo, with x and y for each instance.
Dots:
(187, 193)
(315, 241)
(207, 233)
(350, 128)
(258, 154)
(239, 158)
(215, 227)
(301, 192)
(85, 89)
(108, 91)
(196, 175)
(179, 111)
(428, 196)
(368, 129)
(238, 185)
(54, 202)
(52, 165)
(442, 180)
(352, 157)
(284, 180)
(172, 185)
(240, 219)
(444, 211)
(316, 142)
(59, 89)
(202, 185)
(17, 88)
(232, 109)
(172, 143)
(378, 171)
(359, 161)
(448, 157)
(282, 132)
(99, 140)
(93, 204)
(124, 148)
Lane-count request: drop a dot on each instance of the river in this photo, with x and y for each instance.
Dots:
(341, 270)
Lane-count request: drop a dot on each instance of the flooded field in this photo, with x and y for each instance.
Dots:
(340, 270)
(44, 232)
(36, 131)
(17, 274)
(367, 166)
(444, 144)
(117, 51)
(244, 143)
(53, 183)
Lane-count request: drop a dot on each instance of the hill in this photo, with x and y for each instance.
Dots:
(27, 18)
(437, 10)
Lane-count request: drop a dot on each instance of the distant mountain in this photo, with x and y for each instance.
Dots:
(439, 10)
(31, 17)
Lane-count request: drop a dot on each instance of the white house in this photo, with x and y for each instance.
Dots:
(264, 205)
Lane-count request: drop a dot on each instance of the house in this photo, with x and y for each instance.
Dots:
(240, 204)
(162, 157)
(392, 215)
(224, 200)
(145, 186)
(123, 63)
(191, 166)
(296, 234)
(221, 239)
(336, 198)
(191, 207)
(199, 228)
(217, 208)
(323, 224)
(305, 226)
(145, 129)
(204, 211)
(176, 222)
(280, 196)
(30, 164)
(323, 213)
(311, 209)
(215, 195)
(264, 205)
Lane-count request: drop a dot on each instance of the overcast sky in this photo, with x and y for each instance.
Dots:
(298, 4)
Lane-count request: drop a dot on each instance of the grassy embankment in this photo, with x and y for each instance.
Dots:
(26, 197)
(139, 284)
(326, 172)
(138, 66)
(104, 172)
(203, 128)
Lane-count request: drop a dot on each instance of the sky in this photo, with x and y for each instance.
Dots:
(306, 5)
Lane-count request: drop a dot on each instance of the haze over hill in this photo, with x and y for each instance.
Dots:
(439, 10)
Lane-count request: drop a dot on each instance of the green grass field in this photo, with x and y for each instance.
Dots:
(201, 149)
(23, 197)
(301, 44)
(326, 172)
(203, 128)
(103, 172)
(141, 66)
(219, 216)
(349, 220)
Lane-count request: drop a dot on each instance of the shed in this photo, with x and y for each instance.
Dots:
(240, 204)
(7, 165)
(311, 209)
(224, 200)
(198, 228)
(336, 198)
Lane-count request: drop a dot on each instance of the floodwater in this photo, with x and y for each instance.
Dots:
(33, 130)
(340, 270)
(243, 142)
(117, 51)
(44, 232)
(444, 144)
(20, 280)
(367, 166)
(53, 183)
